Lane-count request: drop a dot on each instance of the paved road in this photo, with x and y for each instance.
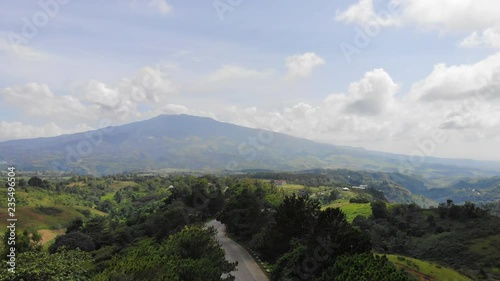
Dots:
(247, 269)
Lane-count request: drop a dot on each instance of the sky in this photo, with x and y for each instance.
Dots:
(415, 77)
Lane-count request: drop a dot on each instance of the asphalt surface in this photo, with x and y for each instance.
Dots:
(247, 269)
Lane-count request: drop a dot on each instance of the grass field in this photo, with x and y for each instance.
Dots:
(427, 271)
(48, 235)
(294, 188)
(49, 212)
(489, 246)
(31, 217)
(351, 210)
(116, 185)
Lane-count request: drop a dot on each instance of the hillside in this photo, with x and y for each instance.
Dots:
(426, 271)
(462, 237)
(125, 220)
(184, 142)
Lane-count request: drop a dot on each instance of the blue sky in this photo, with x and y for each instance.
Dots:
(276, 65)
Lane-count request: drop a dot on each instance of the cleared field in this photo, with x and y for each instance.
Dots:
(53, 217)
(294, 188)
(48, 235)
(426, 271)
(351, 210)
(117, 185)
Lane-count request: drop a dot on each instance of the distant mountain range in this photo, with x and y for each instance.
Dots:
(183, 142)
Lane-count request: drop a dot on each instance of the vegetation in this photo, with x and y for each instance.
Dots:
(456, 236)
(191, 254)
(426, 270)
(315, 227)
(364, 267)
(61, 266)
(298, 237)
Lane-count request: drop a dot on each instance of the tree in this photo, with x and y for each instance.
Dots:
(73, 241)
(192, 254)
(98, 228)
(330, 237)
(379, 209)
(431, 220)
(35, 181)
(242, 214)
(171, 220)
(294, 218)
(22, 183)
(25, 242)
(75, 225)
(469, 210)
(363, 267)
(334, 195)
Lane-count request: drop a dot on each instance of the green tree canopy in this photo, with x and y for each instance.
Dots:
(363, 267)
(61, 266)
(193, 254)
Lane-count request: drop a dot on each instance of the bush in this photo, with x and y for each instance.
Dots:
(50, 211)
(73, 241)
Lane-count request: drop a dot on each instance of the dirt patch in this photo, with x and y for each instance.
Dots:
(48, 235)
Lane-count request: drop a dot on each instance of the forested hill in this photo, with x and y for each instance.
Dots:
(194, 143)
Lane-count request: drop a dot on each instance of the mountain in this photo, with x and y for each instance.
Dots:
(469, 189)
(184, 142)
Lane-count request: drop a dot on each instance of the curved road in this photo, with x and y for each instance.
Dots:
(247, 269)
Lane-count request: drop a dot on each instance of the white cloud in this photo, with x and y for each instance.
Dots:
(19, 130)
(120, 102)
(99, 93)
(344, 117)
(490, 37)
(455, 15)
(162, 6)
(471, 41)
(38, 100)
(373, 94)
(21, 52)
(303, 65)
(121, 99)
(443, 15)
(232, 72)
(370, 114)
(460, 81)
(174, 109)
(363, 13)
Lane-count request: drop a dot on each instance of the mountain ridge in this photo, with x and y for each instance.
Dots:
(192, 142)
